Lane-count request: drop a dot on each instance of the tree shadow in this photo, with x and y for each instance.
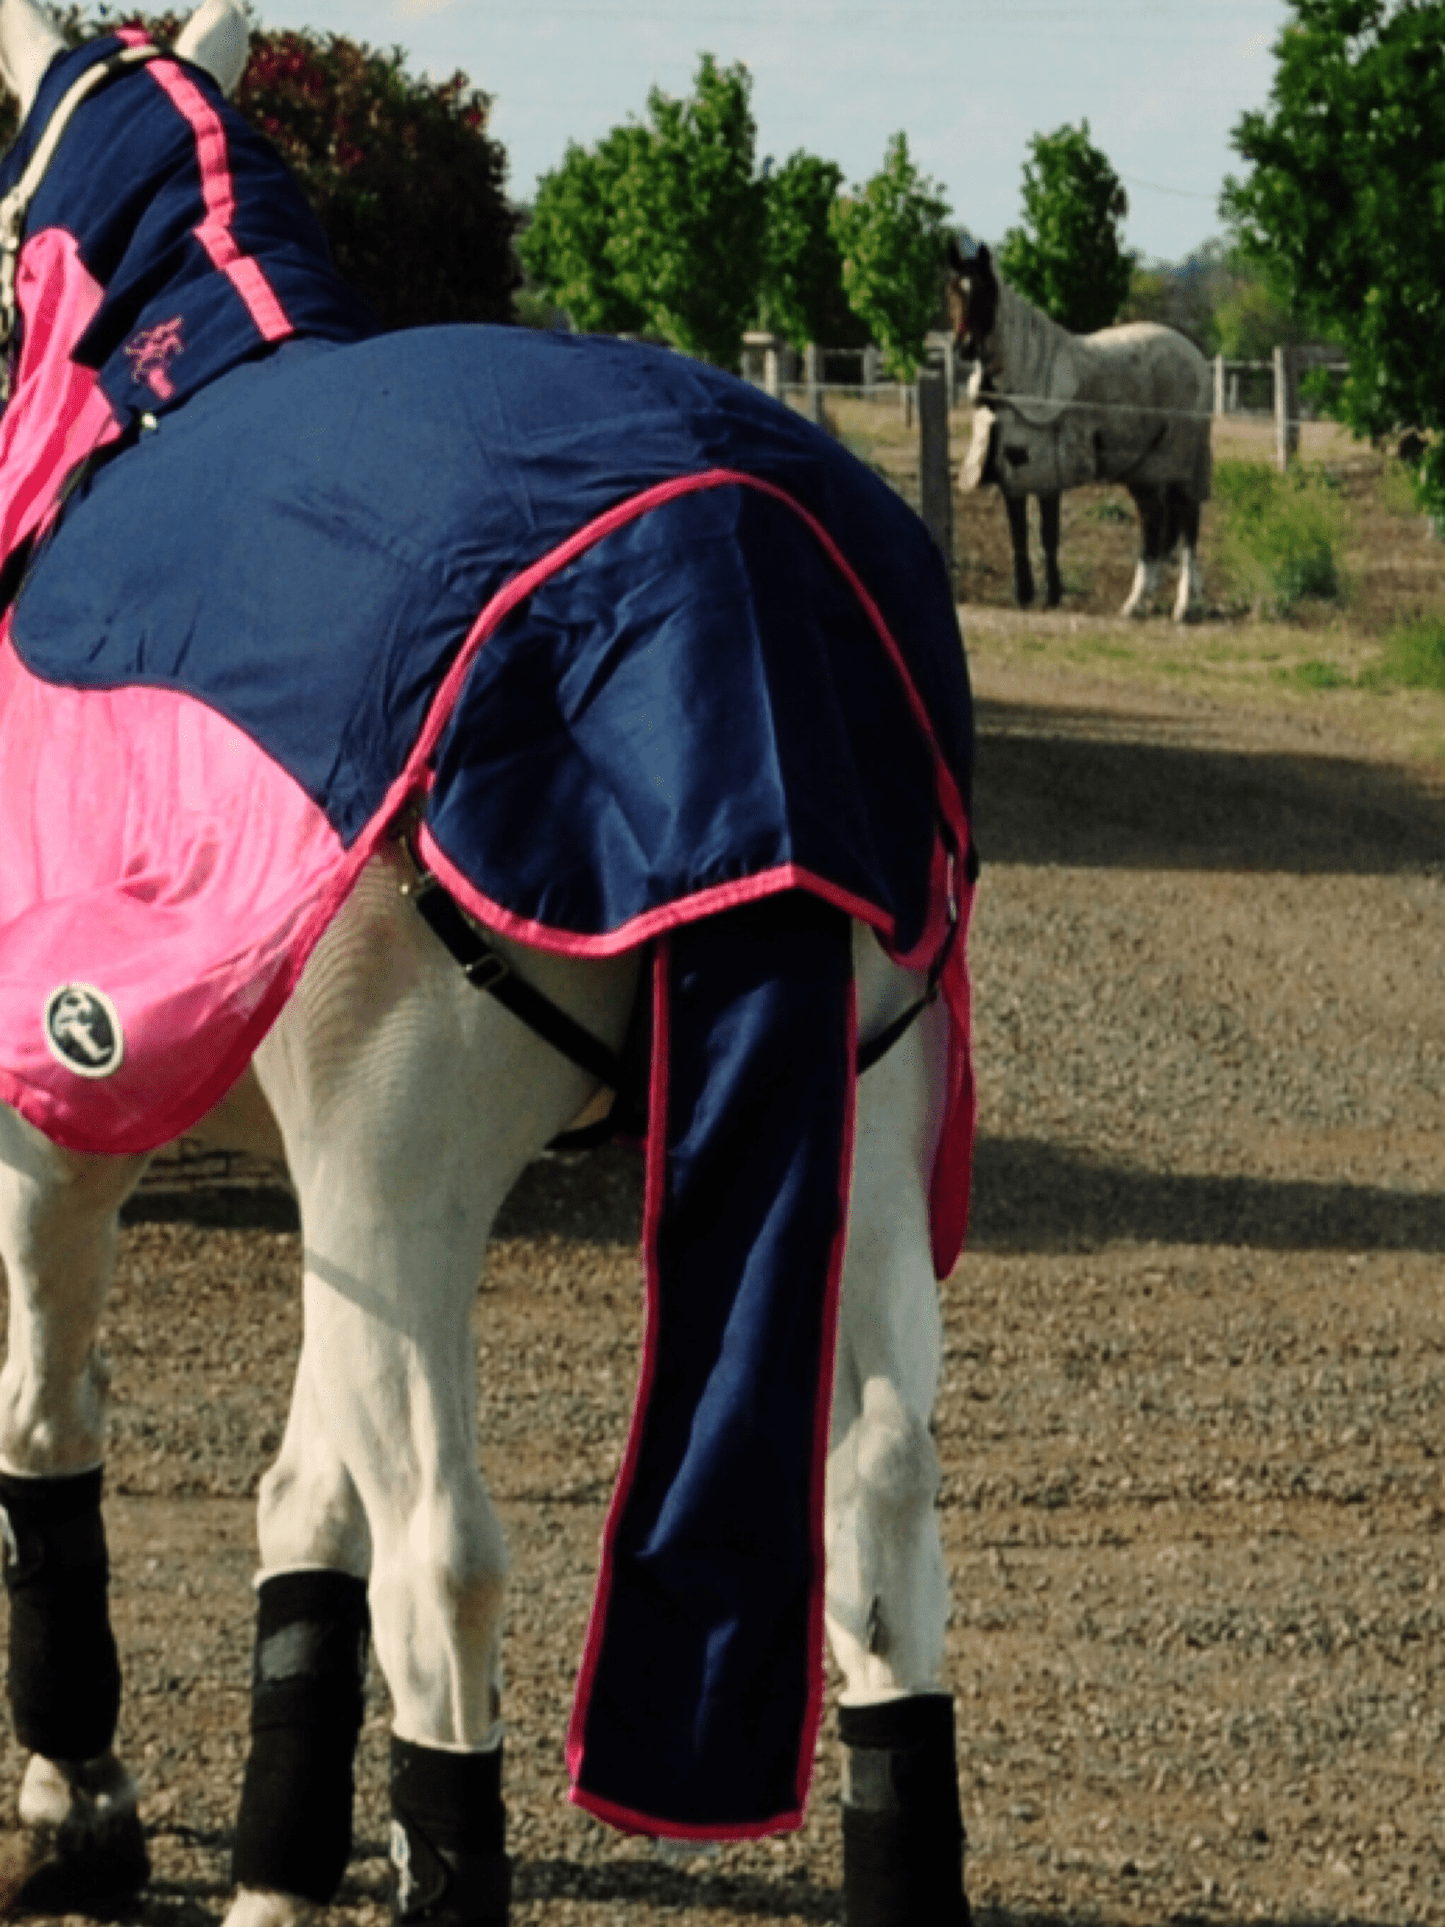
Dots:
(1091, 791)
(1032, 1196)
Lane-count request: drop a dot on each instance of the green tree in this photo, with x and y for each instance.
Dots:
(688, 244)
(892, 233)
(1068, 257)
(401, 171)
(659, 229)
(566, 245)
(1344, 207)
(802, 296)
(1251, 322)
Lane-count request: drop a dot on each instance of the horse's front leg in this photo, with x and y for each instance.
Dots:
(1049, 519)
(1017, 509)
(409, 1103)
(80, 1841)
(887, 1589)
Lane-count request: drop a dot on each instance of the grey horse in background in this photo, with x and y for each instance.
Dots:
(1055, 410)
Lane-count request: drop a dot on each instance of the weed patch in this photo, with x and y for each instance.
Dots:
(1111, 509)
(1282, 535)
(1315, 675)
(1413, 656)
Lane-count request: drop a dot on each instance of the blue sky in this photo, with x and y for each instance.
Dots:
(1161, 82)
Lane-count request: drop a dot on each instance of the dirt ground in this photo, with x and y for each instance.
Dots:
(1192, 1407)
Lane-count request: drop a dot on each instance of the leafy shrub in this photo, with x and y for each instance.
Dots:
(1414, 655)
(1281, 535)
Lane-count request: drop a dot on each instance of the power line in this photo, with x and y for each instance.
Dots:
(1184, 193)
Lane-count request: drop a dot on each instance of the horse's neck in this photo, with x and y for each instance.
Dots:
(1030, 356)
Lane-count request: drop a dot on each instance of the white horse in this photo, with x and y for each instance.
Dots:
(405, 1105)
(1055, 410)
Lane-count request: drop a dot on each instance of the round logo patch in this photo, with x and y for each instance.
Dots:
(83, 1030)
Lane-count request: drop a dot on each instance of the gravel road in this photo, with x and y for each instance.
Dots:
(1191, 1415)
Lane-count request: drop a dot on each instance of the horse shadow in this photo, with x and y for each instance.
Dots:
(592, 1197)
(1120, 790)
(1033, 1196)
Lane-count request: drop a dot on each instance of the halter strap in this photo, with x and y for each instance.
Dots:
(16, 204)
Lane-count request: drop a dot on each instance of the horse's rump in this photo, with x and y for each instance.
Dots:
(648, 647)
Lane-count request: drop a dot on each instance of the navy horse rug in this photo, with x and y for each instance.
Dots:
(624, 646)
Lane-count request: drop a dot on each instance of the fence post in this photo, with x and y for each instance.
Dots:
(935, 474)
(1286, 406)
(1219, 386)
(871, 359)
(813, 376)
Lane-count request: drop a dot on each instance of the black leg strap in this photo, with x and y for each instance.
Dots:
(488, 970)
(448, 1831)
(903, 1835)
(293, 1832)
(64, 1668)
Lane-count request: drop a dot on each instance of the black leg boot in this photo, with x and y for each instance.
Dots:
(903, 1835)
(448, 1833)
(293, 1832)
(88, 1850)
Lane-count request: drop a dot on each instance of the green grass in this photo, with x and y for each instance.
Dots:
(1413, 656)
(1282, 535)
(1315, 675)
(1111, 509)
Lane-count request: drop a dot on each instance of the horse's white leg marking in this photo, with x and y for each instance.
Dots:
(57, 1237)
(29, 41)
(1189, 598)
(217, 38)
(409, 1104)
(887, 1590)
(1145, 588)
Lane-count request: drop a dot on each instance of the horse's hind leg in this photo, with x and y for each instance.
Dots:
(80, 1842)
(1017, 509)
(1049, 518)
(1184, 531)
(887, 1589)
(409, 1103)
(1152, 550)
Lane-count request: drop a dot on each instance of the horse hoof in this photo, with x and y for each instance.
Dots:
(57, 1870)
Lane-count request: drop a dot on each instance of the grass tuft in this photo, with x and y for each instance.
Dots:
(1413, 655)
(1282, 535)
(1316, 675)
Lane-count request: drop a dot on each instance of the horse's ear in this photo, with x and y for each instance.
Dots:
(956, 259)
(29, 41)
(217, 38)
